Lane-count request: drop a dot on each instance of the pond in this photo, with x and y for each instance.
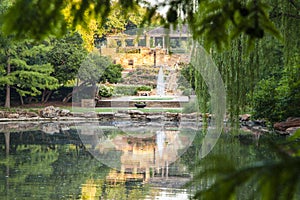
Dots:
(112, 161)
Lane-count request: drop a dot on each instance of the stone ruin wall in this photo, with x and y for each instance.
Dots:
(145, 57)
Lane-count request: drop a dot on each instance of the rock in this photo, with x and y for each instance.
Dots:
(2, 114)
(154, 117)
(190, 116)
(122, 115)
(135, 112)
(50, 128)
(245, 117)
(49, 112)
(292, 130)
(290, 122)
(250, 123)
(91, 114)
(64, 112)
(31, 114)
(172, 116)
(13, 115)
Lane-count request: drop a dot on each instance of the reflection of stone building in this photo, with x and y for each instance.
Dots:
(142, 155)
(158, 46)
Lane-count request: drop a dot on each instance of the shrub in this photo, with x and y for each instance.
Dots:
(127, 90)
(106, 91)
(143, 88)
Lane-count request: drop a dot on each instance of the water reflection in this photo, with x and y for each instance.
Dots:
(39, 163)
(137, 148)
(150, 163)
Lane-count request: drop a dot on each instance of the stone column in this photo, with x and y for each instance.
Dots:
(147, 38)
(147, 174)
(123, 43)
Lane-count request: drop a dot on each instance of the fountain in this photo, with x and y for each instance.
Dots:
(160, 89)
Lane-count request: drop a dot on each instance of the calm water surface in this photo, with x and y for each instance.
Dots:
(67, 161)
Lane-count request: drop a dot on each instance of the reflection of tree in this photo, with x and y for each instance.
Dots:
(30, 163)
(40, 172)
(235, 160)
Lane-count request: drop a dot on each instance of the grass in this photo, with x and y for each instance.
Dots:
(153, 98)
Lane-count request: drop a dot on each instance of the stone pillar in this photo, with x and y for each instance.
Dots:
(147, 174)
(167, 169)
(122, 169)
(134, 170)
(108, 42)
(123, 43)
(147, 38)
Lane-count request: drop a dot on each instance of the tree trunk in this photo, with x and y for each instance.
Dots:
(43, 96)
(49, 93)
(21, 99)
(7, 98)
(75, 90)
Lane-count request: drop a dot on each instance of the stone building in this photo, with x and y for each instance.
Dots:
(155, 47)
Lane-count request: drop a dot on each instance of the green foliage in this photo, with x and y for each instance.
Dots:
(129, 90)
(126, 90)
(30, 73)
(218, 21)
(99, 69)
(268, 179)
(40, 18)
(143, 88)
(275, 180)
(93, 67)
(105, 91)
(187, 74)
(277, 100)
(66, 56)
(113, 73)
(264, 103)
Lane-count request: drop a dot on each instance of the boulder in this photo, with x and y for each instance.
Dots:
(245, 117)
(91, 114)
(154, 117)
(172, 116)
(50, 128)
(292, 130)
(31, 114)
(2, 114)
(64, 112)
(135, 112)
(122, 115)
(290, 122)
(49, 112)
(13, 115)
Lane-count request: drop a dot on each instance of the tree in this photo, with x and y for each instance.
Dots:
(95, 69)
(28, 73)
(112, 74)
(94, 27)
(218, 21)
(66, 55)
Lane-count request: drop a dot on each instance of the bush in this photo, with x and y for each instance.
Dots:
(106, 91)
(130, 90)
(127, 90)
(143, 88)
(277, 99)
